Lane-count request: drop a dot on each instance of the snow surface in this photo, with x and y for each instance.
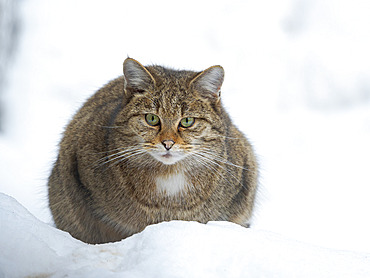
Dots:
(31, 248)
(297, 83)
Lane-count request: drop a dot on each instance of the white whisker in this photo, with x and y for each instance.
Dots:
(211, 158)
(227, 137)
(108, 157)
(221, 159)
(123, 157)
(120, 155)
(211, 165)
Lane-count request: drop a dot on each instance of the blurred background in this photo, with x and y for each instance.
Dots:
(297, 84)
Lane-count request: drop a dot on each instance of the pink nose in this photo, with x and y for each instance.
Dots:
(168, 144)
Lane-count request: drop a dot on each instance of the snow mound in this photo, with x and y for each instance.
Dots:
(31, 248)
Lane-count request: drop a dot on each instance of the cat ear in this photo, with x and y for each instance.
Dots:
(136, 75)
(210, 81)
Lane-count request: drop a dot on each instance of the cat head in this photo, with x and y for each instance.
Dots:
(172, 114)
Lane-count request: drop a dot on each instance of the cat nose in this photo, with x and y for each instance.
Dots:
(168, 144)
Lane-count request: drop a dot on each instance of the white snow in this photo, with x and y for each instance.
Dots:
(297, 83)
(31, 248)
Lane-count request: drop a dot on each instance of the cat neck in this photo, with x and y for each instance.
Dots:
(172, 180)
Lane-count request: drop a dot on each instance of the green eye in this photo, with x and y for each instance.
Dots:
(152, 119)
(187, 122)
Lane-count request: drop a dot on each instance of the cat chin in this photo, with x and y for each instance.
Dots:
(168, 158)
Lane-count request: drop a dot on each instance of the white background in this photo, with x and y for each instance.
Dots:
(297, 84)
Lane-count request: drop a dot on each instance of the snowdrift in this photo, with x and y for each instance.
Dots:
(31, 248)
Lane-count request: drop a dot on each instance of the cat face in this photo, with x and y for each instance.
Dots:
(168, 146)
(173, 115)
(171, 132)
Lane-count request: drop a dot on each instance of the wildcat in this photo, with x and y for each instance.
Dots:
(152, 145)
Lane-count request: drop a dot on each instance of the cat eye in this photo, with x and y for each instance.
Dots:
(152, 119)
(187, 122)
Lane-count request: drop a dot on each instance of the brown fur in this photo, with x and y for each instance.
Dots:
(104, 185)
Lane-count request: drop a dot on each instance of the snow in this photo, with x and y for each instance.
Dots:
(171, 249)
(297, 83)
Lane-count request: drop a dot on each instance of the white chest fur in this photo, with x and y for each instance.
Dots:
(172, 184)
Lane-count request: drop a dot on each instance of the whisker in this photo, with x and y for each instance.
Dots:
(206, 163)
(122, 152)
(104, 126)
(149, 145)
(227, 137)
(110, 151)
(123, 158)
(211, 158)
(221, 159)
(125, 150)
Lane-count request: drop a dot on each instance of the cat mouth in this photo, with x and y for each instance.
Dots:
(168, 158)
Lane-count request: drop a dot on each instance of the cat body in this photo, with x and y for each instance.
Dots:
(152, 145)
